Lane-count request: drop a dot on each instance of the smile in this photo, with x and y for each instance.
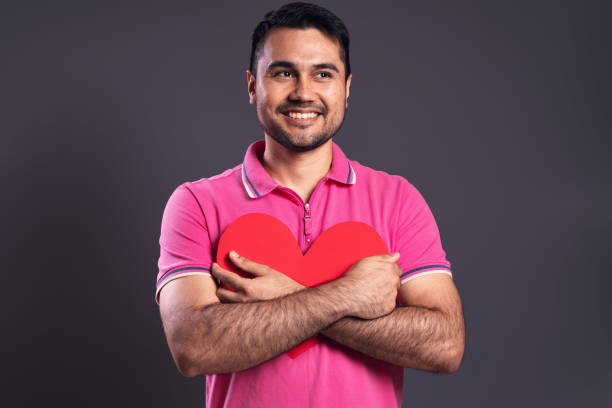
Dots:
(306, 115)
(303, 118)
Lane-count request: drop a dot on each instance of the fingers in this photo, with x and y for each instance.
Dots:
(389, 258)
(386, 257)
(227, 277)
(394, 257)
(247, 265)
(228, 296)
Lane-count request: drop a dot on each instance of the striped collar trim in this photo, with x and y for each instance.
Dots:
(248, 185)
(341, 170)
(257, 182)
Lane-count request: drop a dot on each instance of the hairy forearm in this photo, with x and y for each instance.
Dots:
(410, 336)
(222, 338)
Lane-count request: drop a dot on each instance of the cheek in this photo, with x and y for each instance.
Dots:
(261, 94)
(337, 97)
(271, 94)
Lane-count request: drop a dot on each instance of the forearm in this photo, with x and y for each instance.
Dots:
(410, 336)
(223, 337)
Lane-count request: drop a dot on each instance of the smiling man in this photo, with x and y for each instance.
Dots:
(302, 117)
(299, 80)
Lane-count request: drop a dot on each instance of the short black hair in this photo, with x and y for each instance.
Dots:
(302, 15)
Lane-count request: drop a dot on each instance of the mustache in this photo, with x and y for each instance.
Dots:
(288, 106)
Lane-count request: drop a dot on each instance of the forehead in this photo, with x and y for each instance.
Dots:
(300, 46)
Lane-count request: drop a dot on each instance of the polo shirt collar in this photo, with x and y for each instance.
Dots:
(257, 182)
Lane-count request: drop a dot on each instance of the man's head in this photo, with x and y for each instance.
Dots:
(301, 15)
(299, 76)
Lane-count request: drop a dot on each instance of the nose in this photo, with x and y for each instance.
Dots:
(302, 91)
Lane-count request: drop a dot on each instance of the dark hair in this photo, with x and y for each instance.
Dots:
(302, 15)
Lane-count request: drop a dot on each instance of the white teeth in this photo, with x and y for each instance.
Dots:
(297, 115)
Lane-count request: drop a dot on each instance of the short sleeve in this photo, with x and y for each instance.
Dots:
(184, 243)
(417, 237)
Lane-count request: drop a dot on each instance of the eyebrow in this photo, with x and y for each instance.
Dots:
(327, 65)
(291, 65)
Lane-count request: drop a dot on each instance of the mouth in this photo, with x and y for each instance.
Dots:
(301, 117)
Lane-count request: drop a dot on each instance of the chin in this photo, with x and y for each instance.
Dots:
(301, 147)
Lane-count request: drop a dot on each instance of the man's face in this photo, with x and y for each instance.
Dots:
(300, 91)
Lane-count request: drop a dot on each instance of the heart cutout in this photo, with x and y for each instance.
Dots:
(266, 240)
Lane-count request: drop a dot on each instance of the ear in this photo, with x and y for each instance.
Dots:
(251, 87)
(348, 88)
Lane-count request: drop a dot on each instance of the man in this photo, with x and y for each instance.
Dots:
(299, 82)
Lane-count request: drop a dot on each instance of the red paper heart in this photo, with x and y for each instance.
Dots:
(266, 240)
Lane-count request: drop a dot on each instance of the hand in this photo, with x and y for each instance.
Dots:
(267, 283)
(372, 284)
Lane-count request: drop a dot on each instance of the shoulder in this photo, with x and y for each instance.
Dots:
(205, 188)
(193, 202)
(382, 180)
(194, 196)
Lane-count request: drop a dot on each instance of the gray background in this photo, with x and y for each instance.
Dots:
(499, 112)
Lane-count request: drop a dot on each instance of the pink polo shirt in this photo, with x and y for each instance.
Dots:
(327, 374)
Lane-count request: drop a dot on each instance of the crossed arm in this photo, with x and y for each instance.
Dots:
(270, 314)
(424, 337)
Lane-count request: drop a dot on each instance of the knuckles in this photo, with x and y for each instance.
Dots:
(249, 293)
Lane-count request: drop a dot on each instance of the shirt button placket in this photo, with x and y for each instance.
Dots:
(307, 223)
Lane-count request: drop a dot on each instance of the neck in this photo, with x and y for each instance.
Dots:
(299, 171)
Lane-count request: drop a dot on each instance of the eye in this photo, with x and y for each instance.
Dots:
(324, 74)
(282, 74)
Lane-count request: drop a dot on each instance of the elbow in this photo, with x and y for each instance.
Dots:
(190, 359)
(452, 359)
(191, 345)
(451, 366)
(187, 367)
(185, 362)
(191, 366)
(455, 347)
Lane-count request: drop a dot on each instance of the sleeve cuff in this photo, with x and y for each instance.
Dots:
(179, 273)
(424, 270)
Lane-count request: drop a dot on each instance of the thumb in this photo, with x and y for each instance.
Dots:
(247, 265)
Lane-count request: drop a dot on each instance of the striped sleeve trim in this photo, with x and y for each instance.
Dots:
(179, 273)
(425, 270)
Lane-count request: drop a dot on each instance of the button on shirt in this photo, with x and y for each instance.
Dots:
(327, 374)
